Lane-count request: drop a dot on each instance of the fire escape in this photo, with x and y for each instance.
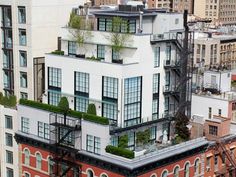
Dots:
(178, 88)
(64, 138)
(228, 158)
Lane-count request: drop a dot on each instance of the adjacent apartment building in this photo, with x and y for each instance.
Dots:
(215, 49)
(28, 30)
(221, 12)
(23, 42)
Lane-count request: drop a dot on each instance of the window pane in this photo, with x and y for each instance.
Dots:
(40, 129)
(82, 82)
(90, 143)
(23, 79)
(22, 37)
(97, 145)
(9, 139)
(101, 51)
(21, 15)
(8, 122)
(110, 87)
(25, 125)
(72, 48)
(23, 58)
(54, 77)
(9, 172)
(157, 57)
(9, 157)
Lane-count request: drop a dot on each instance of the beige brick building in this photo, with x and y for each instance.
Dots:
(221, 12)
(181, 5)
(159, 4)
(216, 50)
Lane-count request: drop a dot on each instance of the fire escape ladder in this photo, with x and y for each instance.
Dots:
(64, 136)
(229, 157)
(66, 171)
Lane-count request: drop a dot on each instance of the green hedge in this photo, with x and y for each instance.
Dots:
(9, 101)
(76, 114)
(57, 52)
(120, 152)
(96, 119)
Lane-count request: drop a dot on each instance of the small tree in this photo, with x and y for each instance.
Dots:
(116, 38)
(143, 137)
(64, 105)
(181, 128)
(80, 28)
(123, 141)
(92, 109)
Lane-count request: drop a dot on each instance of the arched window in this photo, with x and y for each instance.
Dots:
(197, 167)
(186, 170)
(164, 174)
(38, 161)
(103, 175)
(153, 175)
(50, 165)
(176, 172)
(27, 157)
(89, 173)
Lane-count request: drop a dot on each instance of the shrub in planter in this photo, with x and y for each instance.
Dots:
(123, 141)
(120, 151)
(92, 109)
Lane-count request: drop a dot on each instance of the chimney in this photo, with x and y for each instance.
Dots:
(140, 30)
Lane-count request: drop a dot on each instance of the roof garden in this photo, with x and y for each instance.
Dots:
(71, 113)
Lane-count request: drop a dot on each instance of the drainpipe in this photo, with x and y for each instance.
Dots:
(140, 30)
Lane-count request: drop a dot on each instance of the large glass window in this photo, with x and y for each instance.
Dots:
(54, 98)
(110, 87)
(156, 56)
(23, 58)
(82, 82)
(72, 47)
(101, 52)
(9, 157)
(9, 139)
(8, 122)
(82, 91)
(21, 15)
(38, 161)
(54, 77)
(155, 109)
(132, 99)
(23, 79)
(109, 110)
(22, 37)
(25, 124)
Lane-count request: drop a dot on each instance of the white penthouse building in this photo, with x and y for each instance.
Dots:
(28, 30)
(140, 83)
